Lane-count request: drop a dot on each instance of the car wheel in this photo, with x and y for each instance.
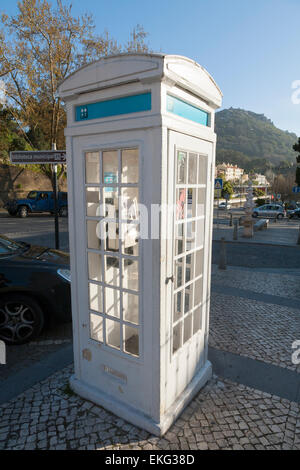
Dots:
(23, 212)
(63, 212)
(21, 319)
(255, 214)
(280, 216)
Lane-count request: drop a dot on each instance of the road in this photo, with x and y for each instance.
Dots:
(36, 229)
(256, 255)
(39, 230)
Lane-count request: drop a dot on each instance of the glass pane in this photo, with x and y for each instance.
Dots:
(200, 232)
(129, 203)
(130, 166)
(112, 302)
(111, 202)
(131, 340)
(179, 239)
(92, 167)
(188, 298)
(192, 168)
(192, 203)
(95, 297)
(112, 236)
(131, 307)
(93, 202)
(199, 263)
(198, 291)
(112, 333)
(112, 271)
(202, 169)
(180, 203)
(130, 274)
(197, 324)
(189, 267)
(93, 234)
(191, 235)
(201, 202)
(177, 306)
(130, 239)
(181, 167)
(96, 327)
(177, 337)
(178, 273)
(187, 330)
(110, 166)
(95, 266)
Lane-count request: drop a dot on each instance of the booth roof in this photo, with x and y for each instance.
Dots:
(121, 68)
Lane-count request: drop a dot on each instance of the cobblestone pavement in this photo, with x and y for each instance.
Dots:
(254, 329)
(280, 284)
(224, 415)
(251, 328)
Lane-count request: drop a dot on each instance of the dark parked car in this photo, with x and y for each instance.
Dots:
(38, 201)
(34, 289)
(294, 213)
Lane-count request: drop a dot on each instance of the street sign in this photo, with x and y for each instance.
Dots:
(53, 157)
(218, 183)
(218, 193)
(296, 189)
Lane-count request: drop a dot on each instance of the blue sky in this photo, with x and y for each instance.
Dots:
(250, 47)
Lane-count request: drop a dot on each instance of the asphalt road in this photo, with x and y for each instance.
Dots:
(255, 255)
(39, 230)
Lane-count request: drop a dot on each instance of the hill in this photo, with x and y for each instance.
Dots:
(252, 141)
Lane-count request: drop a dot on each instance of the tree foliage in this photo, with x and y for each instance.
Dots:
(296, 147)
(11, 136)
(39, 47)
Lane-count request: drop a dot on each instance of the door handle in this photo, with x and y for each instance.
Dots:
(170, 278)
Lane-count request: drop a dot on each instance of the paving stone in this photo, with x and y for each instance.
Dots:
(224, 415)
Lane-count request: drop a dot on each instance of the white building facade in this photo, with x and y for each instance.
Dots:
(231, 172)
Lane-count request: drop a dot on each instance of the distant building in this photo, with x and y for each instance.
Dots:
(230, 172)
(261, 180)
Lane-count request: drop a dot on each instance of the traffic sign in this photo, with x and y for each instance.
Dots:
(38, 157)
(218, 183)
(296, 189)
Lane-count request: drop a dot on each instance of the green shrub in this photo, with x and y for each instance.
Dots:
(260, 202)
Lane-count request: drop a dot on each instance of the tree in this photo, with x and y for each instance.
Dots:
(227, 190)
(258, 192)
(11, 137)
(39, 47)
(296, 147)
(283, 184)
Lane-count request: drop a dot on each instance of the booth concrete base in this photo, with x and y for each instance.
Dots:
(134, 416)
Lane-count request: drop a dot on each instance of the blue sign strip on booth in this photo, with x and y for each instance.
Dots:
(187, 111)
(114, 107)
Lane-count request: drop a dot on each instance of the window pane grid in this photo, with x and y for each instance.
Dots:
(119, 255)
(113, 263)
(186, 314)
(189, 229)
(198, 248)
(187, 284)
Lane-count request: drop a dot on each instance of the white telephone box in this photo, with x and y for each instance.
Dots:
(141, 155)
